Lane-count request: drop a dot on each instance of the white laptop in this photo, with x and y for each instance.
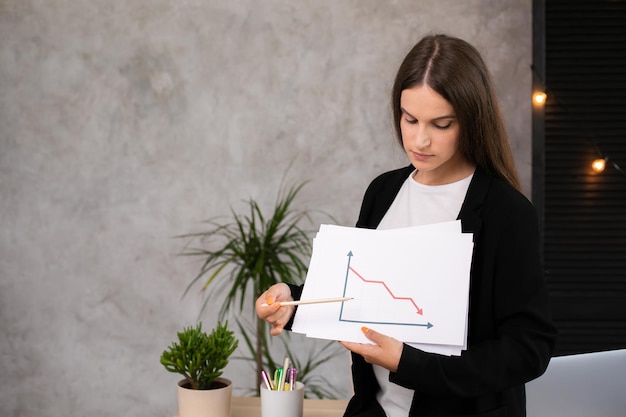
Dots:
(585, 385)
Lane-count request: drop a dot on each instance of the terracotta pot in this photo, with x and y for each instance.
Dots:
(205, 403)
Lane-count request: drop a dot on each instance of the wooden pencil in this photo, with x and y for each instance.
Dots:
(316, 301)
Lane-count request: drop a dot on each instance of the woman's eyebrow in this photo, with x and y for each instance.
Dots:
(448, 116)
(444, 117)
(403, 110)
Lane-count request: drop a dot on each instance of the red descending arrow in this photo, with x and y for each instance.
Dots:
(419, 310)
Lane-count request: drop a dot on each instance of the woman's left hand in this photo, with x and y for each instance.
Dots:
(385, 352)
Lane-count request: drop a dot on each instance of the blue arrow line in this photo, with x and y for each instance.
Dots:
(345, 284)
(427, 325)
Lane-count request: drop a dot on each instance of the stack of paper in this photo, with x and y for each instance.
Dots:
(411, 284)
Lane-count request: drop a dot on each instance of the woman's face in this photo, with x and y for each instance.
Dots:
(430, 136)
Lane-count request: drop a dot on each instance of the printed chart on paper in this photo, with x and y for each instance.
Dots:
(376, 300)
(411, 284)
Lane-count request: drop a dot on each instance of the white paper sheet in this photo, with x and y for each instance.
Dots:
(410, 283)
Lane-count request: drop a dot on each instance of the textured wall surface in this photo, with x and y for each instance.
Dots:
(126, 123)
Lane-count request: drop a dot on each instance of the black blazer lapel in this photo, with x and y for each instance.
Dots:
(471, 209)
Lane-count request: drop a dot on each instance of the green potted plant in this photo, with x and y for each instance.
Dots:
(201, 358)
(247, 253)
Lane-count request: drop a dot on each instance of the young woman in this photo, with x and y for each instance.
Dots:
(448, 121)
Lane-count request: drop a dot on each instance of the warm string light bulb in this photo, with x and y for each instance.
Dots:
(539, 98)
(598, 165)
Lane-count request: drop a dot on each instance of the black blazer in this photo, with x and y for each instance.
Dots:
(510, 333)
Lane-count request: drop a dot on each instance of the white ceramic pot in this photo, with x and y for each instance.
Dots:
(205, 403)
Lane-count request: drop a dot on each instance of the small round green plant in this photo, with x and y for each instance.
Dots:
(200, 357)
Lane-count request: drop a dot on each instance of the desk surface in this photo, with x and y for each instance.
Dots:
(251, 407)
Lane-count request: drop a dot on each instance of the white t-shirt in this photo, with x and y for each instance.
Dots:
(415, 205)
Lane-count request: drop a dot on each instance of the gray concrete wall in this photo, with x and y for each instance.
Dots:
(125, 123)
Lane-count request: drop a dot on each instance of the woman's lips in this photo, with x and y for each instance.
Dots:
(421, 156)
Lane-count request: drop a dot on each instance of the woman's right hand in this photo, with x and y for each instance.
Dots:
(272, 312)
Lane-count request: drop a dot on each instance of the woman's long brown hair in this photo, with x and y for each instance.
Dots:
(455, 70)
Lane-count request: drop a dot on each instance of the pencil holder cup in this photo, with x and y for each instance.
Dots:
(282, 403)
